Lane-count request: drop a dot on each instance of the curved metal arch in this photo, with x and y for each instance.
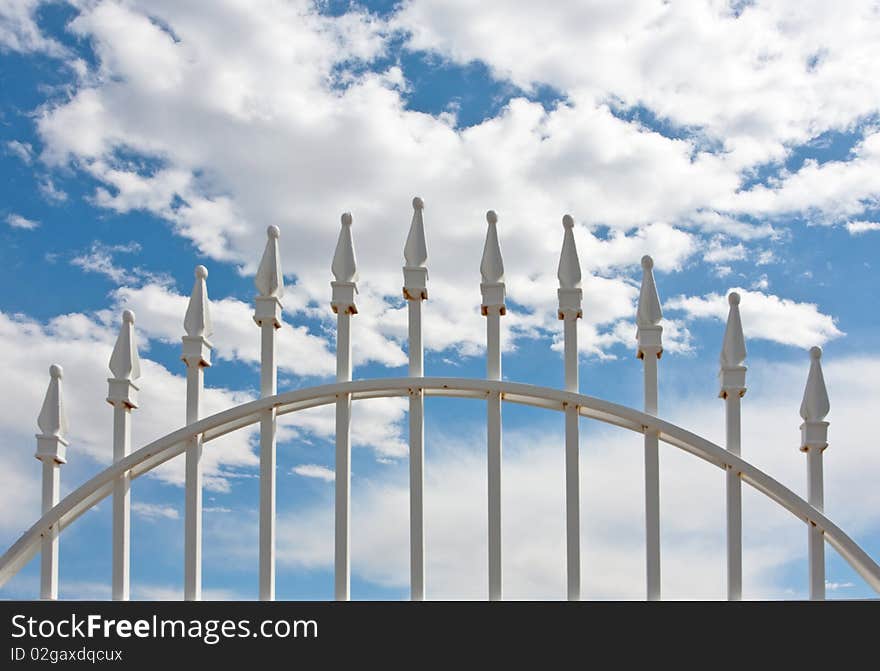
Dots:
(172, 444)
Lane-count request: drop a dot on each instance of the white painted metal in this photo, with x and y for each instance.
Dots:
(733, 387)
(649, 332)
(197, 357)
(344, 288)
(124, 365)
(51, 451)
(493, 308)
(270, 285)
(814, 441)
(173, 444)
(570, 295)
(415, 276)
(122, 395)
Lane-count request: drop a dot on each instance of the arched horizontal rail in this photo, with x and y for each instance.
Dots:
(169, 446)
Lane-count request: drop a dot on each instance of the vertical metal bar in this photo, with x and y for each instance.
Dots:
(49, 551)
(493, 426)
(343, 460)
(652, 483)
(416, 456)
(268, 381)
(734, 500)
(572, 465)
(121, 504)
(193, 515)
(816, 539)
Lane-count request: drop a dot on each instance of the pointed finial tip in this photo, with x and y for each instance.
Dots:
(491, 217)
(128, 316)
(201, 272)
(816, 352)
(346, 219)
(567, 221)
(56, 371)
(418, 203)
(647, 262)
(733, 298)
(273, 232)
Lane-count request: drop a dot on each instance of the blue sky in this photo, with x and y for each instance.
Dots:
(140, 139)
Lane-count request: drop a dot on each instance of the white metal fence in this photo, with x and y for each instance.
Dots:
(116, 480)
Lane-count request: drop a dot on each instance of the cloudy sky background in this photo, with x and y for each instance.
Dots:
(738, 143)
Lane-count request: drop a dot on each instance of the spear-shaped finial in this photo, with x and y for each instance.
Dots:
(344, 269)
(733, 353)
(53, 418)
(415, 252)
(570, 293)
(569, 272)
(649, 312)
(344, 265)
(733, 350)
(492, 269)
(492, 265)
(124, 362)
(197, 322)
(815, 404)
(270, 278)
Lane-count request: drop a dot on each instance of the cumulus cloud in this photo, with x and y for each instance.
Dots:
(860, 227)
(155, 511)
(289, 133)
(277, 122)
(314, 471)
(19, 30)
(739, 76)
(22, 150)
(764, 316)
(18, 221)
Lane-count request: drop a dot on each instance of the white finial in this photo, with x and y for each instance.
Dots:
(197, 322)
(815, 405)
(733, 349)
(649, 312)
(270, 278)
(344, 265)
(124, 362)
(53, 419)
(415, 252)
(569, 272)
(492, 265)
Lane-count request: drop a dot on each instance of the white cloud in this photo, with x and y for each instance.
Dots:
(717, 251)
(860, 227)
(51, 192)
(155, 511)
(272, 113)
(828, 193)
(755, 80)
(834, 586)
(762, 283)
(314, 471)
(764, 316)
(22, 150)
(267, 118)
(18, 221)
(19, 30)
(100, 259)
